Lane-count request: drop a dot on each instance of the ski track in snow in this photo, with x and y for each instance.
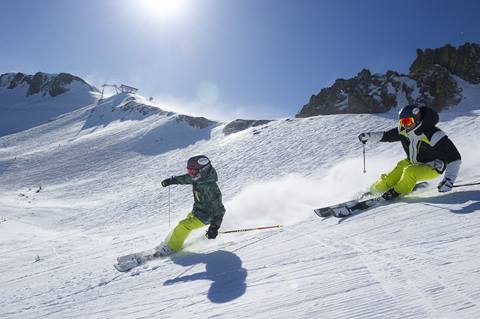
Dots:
(100, 198)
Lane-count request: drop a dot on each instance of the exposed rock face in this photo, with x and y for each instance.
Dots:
(240, 125)
(438, 89)
(13, 80)
(198, 122)
(463, 61)
(42, 83)
(131, 105)
(430, 83)
(365, 93)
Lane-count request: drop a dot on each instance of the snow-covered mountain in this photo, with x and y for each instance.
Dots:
(29, 100)
(80, 190)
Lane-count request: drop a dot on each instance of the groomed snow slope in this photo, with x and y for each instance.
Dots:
(100, 197)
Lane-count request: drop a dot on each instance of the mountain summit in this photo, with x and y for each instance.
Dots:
(434, 80)
(27, 101)
(42, 83)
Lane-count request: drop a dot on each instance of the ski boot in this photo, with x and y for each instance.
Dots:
(163, 250)
(390, 194)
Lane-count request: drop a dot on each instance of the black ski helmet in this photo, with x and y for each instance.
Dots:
(198, 166)
(410, 111)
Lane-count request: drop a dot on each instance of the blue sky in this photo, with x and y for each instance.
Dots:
(227, 58)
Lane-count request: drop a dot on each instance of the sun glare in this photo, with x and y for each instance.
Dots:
(163, 9)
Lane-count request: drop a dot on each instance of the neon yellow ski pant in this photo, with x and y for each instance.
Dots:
(180, 233)
(404, 177)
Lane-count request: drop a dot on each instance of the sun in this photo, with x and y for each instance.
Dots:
(163, 9)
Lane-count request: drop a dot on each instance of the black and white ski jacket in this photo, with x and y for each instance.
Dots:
(426, 144)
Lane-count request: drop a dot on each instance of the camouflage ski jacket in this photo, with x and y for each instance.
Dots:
(208, 206)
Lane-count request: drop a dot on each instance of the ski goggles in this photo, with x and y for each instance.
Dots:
(192, 171)
(407, 121)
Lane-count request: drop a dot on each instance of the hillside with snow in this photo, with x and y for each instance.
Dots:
(82, 189)
(30, 100)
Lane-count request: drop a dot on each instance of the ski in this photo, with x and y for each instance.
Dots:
(348, 208)
(130, 261)
(354, 206)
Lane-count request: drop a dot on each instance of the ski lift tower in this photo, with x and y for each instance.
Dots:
(109, 85)
(128, 89)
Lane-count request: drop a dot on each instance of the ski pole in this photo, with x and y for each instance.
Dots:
(249, 229)
(169, 208)
(469, 184)
(364, 165)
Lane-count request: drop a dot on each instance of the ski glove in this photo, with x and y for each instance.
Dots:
(212, 231)
(451, 172)
(445, 185)
(370, 136)
(438, 165)
(168, 182)
(364, 137)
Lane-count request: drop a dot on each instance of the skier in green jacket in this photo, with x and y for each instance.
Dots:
(207, 209)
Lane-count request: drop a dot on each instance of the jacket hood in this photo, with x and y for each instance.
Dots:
(212, 177)
(429, 117)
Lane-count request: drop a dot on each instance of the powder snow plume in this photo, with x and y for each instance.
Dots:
(291, 198)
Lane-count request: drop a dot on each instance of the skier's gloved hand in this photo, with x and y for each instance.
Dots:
(451, 173)
(212, 231)
(370, 136)
(364, 137)
(438, 165)
(168, 182)
(445, 185)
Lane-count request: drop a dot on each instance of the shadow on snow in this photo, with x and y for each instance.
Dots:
(223, 268)
(471, 198)
(170, 136)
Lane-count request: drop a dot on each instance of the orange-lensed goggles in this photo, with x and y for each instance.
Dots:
(407, 121)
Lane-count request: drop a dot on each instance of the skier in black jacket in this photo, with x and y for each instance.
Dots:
(430, 153)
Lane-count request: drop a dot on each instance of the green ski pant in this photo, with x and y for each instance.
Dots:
(180, 233)
(404, 177)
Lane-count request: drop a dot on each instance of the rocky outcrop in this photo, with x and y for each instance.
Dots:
(11, 81)
(433, 70)
(240, 125)
(198, 122)
(463, 61)
(42, 83)
(437, 88)
(430, 83)
(365, 93)
(132, 106)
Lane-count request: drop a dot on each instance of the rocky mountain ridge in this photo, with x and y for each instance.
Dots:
(41, 83)
(430, 82)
